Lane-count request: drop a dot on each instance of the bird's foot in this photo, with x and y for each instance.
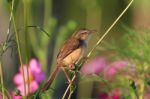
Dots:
(72, 66)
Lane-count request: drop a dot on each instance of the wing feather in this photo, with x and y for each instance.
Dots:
(69, 46)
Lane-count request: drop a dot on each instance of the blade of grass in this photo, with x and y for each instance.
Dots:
(47, 11)
(2, 80)
(10, 20)
(41, 29)
(4, 48)
(19, 51)
(107, 31)
(25, 4)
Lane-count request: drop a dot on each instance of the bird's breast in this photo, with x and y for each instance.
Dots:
(74, 56)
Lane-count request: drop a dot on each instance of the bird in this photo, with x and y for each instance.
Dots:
(73, 50)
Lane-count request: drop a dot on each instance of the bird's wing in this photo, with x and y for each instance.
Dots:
(69, 46)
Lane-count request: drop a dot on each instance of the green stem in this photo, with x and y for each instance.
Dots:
(1, 68)
(74, 77)
(69, 97)
(141, 89)
(19, 52)
(107, 31)
(141, 81)
(2, 80)
(26, 41)
(47, 11)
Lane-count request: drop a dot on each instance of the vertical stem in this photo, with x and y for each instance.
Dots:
(47, 11)
(1, 68)
(69, 97)
(25, 4)
(68, 87)
(10, 18)
(2, 80)
(19, 52)
(141, 89)
(141, 81)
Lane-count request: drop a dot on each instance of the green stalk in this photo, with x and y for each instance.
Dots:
(112, 25)
(2, 80)
(19, 52)
(141, 89)
(47, 11)
(141, 81)
(4, 48)
(26, 41)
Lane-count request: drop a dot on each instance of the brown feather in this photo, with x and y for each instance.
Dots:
(69, 46)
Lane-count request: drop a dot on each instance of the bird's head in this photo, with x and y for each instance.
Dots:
(82, 34)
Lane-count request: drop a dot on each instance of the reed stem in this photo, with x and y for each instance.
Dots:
(2, 80)
(19, 52)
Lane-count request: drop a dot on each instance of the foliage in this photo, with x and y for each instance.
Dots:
(134, 47)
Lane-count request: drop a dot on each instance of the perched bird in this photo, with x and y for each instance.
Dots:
(72, 51)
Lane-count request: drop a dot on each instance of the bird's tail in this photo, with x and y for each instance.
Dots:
(50, 79)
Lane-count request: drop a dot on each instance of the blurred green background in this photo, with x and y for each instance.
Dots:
(60, 18)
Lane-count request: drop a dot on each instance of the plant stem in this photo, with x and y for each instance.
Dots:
(10, 18)
(69, 97)
(2, 80)
(26, 42)
(47, 11)
(107, 31)
(68, 87)
(141, 81)
(141, 89)
(1, 68)
(19, 52)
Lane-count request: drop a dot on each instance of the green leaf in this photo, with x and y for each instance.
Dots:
(91, 78)
(47, 94)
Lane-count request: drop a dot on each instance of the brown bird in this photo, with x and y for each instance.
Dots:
(71, 52)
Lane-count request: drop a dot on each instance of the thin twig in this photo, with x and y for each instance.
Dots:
(68, 87)
(71, 92)
(10, 20)
(19, 52)
(26, 44)
(99, 41)
(101, 38)
(41, 29)
(4, 48)
(2, 80)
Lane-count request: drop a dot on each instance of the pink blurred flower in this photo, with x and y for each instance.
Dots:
(94, 67)
(147, 95)
(16, 97)
(1, 97)
(114, 94)
(103, 95)
(113, 68)
(36, 76)
(100, 65)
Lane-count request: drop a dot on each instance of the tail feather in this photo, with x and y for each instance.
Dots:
(50, 79)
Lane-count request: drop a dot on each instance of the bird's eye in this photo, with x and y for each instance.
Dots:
(83, 32)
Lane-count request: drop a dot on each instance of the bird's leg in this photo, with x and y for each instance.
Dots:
(66, 74)
(71, 66)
